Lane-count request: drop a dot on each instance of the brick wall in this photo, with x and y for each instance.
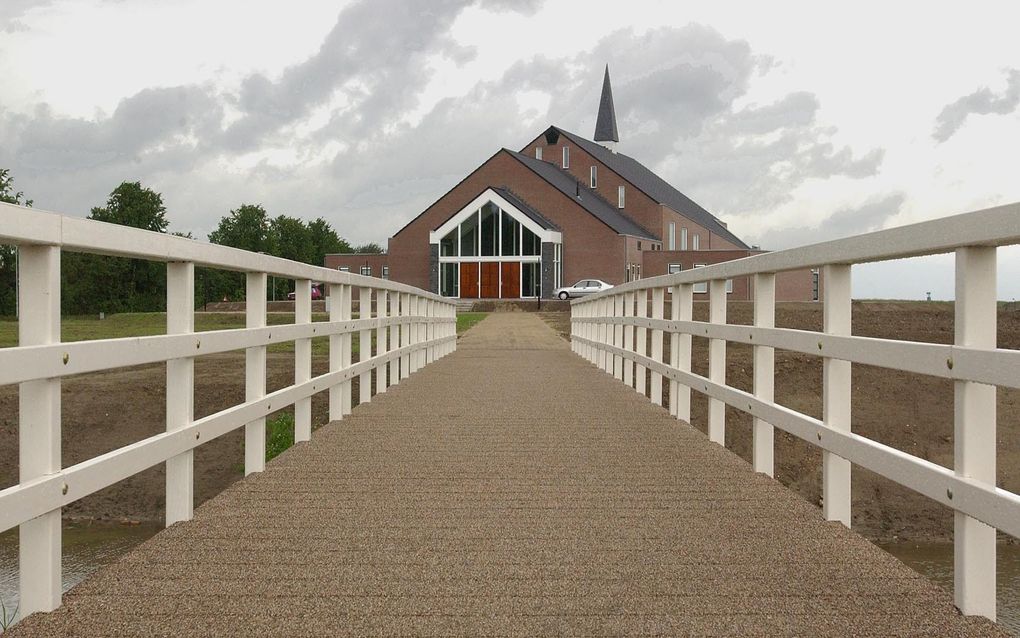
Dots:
(590, 248)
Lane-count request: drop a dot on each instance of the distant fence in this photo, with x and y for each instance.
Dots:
(616, 331)
(411, 327)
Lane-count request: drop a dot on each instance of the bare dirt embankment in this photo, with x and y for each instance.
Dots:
(105, 411)
(910, 412)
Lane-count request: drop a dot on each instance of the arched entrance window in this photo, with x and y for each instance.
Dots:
(492, 249)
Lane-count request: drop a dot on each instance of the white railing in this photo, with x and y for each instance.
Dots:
(609, 329)
(412, 328)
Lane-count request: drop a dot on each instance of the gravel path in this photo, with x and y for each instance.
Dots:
(510, 488)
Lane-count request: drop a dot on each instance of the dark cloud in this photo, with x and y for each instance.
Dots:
(675, 88)
(980, 102)
(843, 223)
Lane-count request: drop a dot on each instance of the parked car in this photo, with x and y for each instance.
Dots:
(316, 294)
(583, 287)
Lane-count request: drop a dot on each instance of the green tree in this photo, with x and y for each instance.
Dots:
(293, 240)
(326, 241)
(9, 254)
(370, 248)
(248, 228)
(95, 283)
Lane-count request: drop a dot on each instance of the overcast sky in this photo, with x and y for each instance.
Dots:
(793, 122)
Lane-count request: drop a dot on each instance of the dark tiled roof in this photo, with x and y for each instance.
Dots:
(605, 125)
(654, 186)
(526, 208)
(584, 196)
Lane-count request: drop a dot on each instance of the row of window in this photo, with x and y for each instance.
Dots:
(671, 238)
(490, 232)
(367, 271)
(699, 287)
(621, 192)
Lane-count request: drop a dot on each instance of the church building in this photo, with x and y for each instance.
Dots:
(562, 209)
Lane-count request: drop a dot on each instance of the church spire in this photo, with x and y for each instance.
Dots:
(605, 125)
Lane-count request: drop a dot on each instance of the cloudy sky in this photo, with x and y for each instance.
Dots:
(793, 122)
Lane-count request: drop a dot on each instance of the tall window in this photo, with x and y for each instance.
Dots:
(566, 157)
(449, 280)
(366, 270)
(621, 196)
(530, 280)
(490, 230)
(558, 266)
(538, 152)
(594, 176)
(385, 272)
(683, 239)
(696, 242)
(671, 236)
(469, 237)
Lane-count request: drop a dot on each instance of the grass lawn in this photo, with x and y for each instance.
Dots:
(467, 319)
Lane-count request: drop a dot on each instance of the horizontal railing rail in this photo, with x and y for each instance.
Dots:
(622, 331)
(399, 329)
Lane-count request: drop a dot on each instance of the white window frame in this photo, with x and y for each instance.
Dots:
(671, 236)
(538, 152)
(621, 196)
(696, 242)
(594, 174)
(670, 271)
(683, 238)
(385, 272)
(729, 286)
(701, 286)
(566, 156)
(344, 268)
(366, 271)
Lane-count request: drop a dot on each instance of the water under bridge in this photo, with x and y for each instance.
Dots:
(509, 482)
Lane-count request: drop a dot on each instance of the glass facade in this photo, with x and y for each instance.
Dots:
(504, 255)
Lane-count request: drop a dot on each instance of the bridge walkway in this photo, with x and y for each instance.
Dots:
(509, 488)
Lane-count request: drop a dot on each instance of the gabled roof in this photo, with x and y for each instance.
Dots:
(652, 185)
(605, 125)
(584, 196)
(526, 208)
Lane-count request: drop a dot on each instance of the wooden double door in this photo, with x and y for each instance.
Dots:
(482, 280)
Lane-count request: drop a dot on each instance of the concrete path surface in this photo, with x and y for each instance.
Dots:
(508, 489)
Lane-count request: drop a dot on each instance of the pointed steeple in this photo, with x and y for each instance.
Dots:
(605, 125)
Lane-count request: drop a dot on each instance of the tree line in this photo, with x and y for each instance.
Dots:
(92, 283)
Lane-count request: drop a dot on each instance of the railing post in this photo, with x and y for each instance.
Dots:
(346, 348)
(365, 344)
(717, 360)
(683, 301)
(180, 391)
(836, 393)
(628, 339)
(764, 372)
(617, 336)
(336, 359)
(658, 303)
(430, 331)
(398, 309)
(605, 361)
(381, 347)
(406, 310)
(255, 373)
(39, 427)
(303, 359)
(420, 332)
(974, 430)
(641, 341)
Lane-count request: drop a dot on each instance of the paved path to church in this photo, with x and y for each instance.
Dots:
(510, 488)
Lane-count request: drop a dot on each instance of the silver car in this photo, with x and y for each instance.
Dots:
(583, 287)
